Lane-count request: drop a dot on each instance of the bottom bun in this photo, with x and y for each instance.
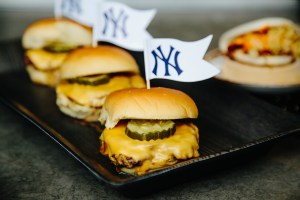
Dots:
(275, 76)
(49, 78)
(266, 60)
(75, 110)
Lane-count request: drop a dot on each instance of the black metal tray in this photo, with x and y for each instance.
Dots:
(234, 126)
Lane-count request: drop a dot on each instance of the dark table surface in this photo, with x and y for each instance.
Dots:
(32, 166)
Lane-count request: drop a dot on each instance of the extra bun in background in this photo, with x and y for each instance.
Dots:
(261, 53)
(148, 129)
(47, 43)
(51, 31)
(89, 74)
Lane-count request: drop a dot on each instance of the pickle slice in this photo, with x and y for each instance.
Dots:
(90, 80)
(59, 47)
(150, 129)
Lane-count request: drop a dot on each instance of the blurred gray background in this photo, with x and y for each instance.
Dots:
(185, 20)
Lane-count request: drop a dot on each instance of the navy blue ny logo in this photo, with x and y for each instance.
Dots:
(166, 61)
(72, 6)
(118, 23)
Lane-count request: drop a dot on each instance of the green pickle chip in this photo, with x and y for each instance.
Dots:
(150, 129)
(91, 80)
(59, 47)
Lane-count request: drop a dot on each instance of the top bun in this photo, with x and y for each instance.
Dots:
(155, 103)
(255, 25)
(99, 60)
(47, 31)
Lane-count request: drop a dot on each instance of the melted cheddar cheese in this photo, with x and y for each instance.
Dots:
(153, 154)
(44, 60)
(94, 95)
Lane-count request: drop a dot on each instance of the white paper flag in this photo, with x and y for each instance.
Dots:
(177, 60)
(82, 11)
(123, 26)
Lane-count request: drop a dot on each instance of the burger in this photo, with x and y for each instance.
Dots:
(263, 52)
(89, 74)
(148, 129)
(47, 43)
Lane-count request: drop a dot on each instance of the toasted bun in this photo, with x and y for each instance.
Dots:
(255, 25)
(98, 60)
(154, 103)
(46, 31)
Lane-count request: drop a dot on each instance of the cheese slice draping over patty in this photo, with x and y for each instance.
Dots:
(44, 60)
(88, 94)
(153, 154)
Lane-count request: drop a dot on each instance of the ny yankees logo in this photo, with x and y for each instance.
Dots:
(118, 23)
(72, 6)
(166, 61)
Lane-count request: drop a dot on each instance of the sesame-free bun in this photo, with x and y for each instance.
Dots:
(97, 60)
(47, 31)
(155, 103)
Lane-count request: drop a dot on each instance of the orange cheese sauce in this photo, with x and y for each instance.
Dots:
(251, 41)
(277, 40)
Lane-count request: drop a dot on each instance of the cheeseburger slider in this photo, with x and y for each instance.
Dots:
(89, 74)
(148, 129)
(47, 43)
(262, 52)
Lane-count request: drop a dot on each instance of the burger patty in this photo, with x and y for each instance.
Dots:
(125, 161)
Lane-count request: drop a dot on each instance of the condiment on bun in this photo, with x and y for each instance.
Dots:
(263, 52)
(148, 129)
(47, 43)
(89, 74)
